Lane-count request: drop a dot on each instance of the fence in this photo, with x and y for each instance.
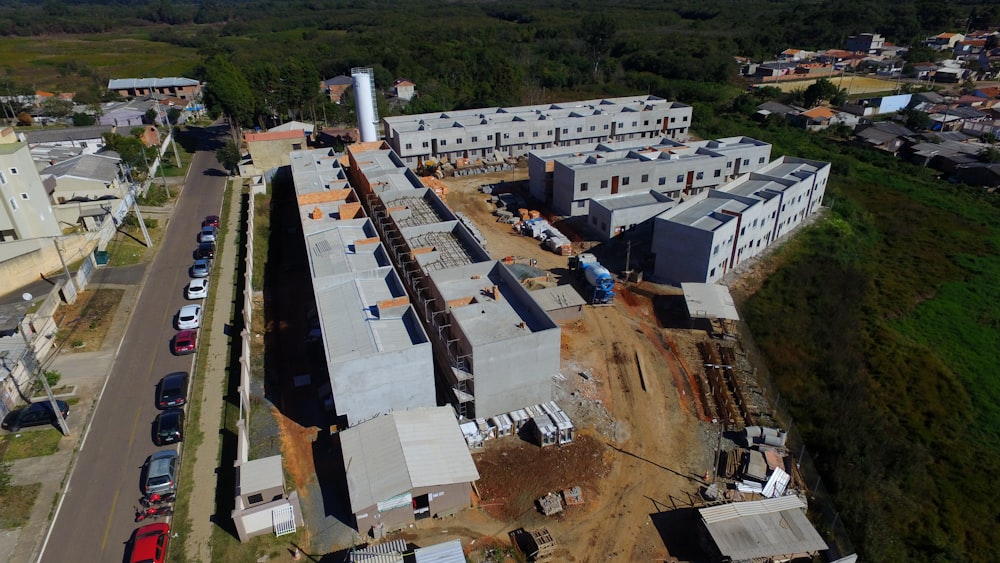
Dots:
(243, 447)
(822, 511)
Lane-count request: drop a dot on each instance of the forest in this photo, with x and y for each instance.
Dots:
(889, 331)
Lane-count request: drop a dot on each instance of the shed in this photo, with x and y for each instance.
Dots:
(709, 301)
(770, 528)
(447, 552)
(563, 303)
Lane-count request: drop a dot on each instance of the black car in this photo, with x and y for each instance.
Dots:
(173, 390)
(35, 414)
(169, 427)
(205, 251)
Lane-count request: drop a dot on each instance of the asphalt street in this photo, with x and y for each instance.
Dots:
(96, 516)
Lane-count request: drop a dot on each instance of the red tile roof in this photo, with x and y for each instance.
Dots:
(274, 136)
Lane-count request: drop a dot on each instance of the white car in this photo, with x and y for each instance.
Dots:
(189, 317)
(198, 288)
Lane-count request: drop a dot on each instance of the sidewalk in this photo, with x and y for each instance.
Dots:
(202, 495)
(87, 371)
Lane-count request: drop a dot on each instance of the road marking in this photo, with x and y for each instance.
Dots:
(131, 437)
(107, 528)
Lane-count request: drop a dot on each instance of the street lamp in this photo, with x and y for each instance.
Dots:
(36, 368)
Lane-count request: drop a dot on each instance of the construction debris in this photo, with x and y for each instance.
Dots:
(572, 496)
(550, 504)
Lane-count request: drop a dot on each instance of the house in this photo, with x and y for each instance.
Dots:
(403, 89)
(943, 41)
(126, 115)
(985, 174)
(708, 235)
(503, 132)
(774, 529)
(88, 189)
(866, 43)
(377, 355)
(771, 107)
(405, 466)
(335, 88)
(883, 135)
(271, 149)
(923, 70)
(183, 88)
(821, 117)
(262, 505)
(49, 145)
(795, 55)
(870, 107)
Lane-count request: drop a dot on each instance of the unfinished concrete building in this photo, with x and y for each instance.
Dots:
(702, 239)
(487, 133)
(497, 349)
(378, 356)
(568, 178)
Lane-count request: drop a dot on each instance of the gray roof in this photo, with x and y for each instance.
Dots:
(558, 297)
(127, 83)
(89, 166)
(261, 474)
(338, 81)
(397, 452)
(628, 200)
(709, 301)
(447, 552)
(67, 134)
(763, 528)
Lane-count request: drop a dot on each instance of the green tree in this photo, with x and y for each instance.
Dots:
(229, 155)
(228, 92)
(598, 33)
(150, 116)
(56, 107)
(83, 119)
(916, 119)
(818, 91)
(133, 153)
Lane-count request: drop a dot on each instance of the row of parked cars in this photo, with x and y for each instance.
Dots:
(149, 543)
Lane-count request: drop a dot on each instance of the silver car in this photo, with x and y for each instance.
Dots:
(161, 473)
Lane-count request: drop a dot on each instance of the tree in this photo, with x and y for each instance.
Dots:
(150, 116)
(229, 155)
(173, 115)
(598, 33)
(133, 153)
(818, 91)
(55, 107)
(24, 118)
(227, 91)
(916, 119)
(83, 119)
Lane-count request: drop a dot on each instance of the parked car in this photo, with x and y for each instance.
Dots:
(173, 390)
(185, 342)
(205, 250)
(169, 427)
(207, 234)
(149, 543)
(200, 268)
(211, 221)
(189, 317)
(161, 473)
(35, 414)
(197, 288)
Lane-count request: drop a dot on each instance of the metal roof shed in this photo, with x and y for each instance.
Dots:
(763, 528)
(709, 301)
(447, 552)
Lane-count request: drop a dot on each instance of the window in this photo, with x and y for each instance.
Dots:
(443, 142)
(762, 159)
(606, 126)
(520, 134)
(718, 173)
(565, 130)
(645, 178)
(680, 178)
(424, 144)
(506, 135)
(534, 133)
(548, 133)
(729, 164)
(583, 186)
(579, 129)
(409, 145)
(635, 123)
(625, 181)
(24, 195)
(746, 161)
(621, 124)
(659, 120)
(489, 137)
(685, 119)
(3, 179)
(699, 175)
(296, 146)
(604, 184)
(475, 139)
(712, 273)
(663, 181)
(593, 128)
(673, 120)
(13, 204)
(645, 123)
(458, 141)
(255, 498)
(715, 251)
(580, 204)
(743, 231)
(593, 220)
(13, 171)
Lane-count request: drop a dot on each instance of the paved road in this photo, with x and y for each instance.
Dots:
(96, 517)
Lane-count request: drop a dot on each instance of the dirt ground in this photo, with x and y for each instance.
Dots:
(84, 324)
(646, 439)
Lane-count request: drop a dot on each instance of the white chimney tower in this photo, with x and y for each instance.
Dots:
(364, 102)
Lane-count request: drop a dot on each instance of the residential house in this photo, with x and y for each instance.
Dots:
(795, 55)
(403, 89)
(271, 149)
(504, 132)
(51, 145)
(613, 215)
(985, 174)
(261, 500)
(87, 189)
(769, 108)
(819, 118)
(183, 88)
(405, 466)
(866, 43)
(968, 49)
(126, 115)
(883, 135)
(943, 41)
(923, 70)
(882, 105)
(923, 153)
(335, 88)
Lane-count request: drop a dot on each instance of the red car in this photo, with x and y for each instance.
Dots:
(185, 342)
(211, 220)
(149, 543)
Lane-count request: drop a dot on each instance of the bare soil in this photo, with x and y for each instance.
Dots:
(632, 387)
(84, 324)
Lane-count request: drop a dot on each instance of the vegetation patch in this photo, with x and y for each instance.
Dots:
(16, 502)
(84, 324)
(31, 443)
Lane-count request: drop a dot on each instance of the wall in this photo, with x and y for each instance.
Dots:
(25, 261)
(457, 496)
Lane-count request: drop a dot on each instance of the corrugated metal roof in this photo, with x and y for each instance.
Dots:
(746, 530)
(447, 552)
(124, 83)
(399, 451)
(389, 552)
(88, 166)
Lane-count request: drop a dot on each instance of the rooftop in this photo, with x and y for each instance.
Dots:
(125, 83)
(763, 528)
(103, 167)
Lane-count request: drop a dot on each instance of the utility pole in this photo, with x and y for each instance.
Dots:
(36, 369)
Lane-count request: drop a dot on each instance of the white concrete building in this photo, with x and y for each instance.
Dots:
(569, 178)
(515, 131)
(378, 356)
(612, 215)
(703, 238)
(25, 212)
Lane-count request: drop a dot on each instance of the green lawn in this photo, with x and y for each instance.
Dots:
(16, 502)
(30, 443)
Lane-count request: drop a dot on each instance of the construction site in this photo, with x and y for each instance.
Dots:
(659, 410)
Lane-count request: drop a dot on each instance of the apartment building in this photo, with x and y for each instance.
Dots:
(705, 237)
(496, 348)
(515, 131)
(25, 212)
(378, 356)
(569, 178)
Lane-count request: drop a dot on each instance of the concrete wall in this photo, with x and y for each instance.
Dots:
(447, 499)
(681, 251)
(611, 222)
(383, 382)
(22, 262)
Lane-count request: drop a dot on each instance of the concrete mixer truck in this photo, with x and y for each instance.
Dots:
(600, 284)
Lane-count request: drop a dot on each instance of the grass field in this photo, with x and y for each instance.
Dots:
(65, 63)
(853, 84)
